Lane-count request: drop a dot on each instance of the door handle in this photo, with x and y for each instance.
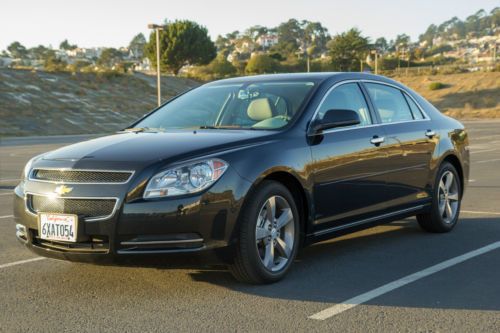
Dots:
(430, 133)
(376, 140)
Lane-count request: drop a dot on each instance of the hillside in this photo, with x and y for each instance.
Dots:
(464, 96)
(41, 103)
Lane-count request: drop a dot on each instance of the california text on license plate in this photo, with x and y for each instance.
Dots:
(59, 227)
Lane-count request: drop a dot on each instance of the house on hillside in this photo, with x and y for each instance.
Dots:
(6, 61)
(268, 40)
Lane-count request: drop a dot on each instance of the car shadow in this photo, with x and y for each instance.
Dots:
(339, 269)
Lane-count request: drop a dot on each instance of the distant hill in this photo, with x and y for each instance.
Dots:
(42, 103)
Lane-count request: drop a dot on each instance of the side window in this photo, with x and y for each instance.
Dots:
(390, 103)
(347, 97)
(417, 114)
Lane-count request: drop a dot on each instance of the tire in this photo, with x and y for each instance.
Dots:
(439, 219)
(255, 262)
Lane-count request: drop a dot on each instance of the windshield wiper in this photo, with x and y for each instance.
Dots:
(224, 127)
(142, 129)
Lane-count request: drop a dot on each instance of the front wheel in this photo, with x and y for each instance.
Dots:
(268, 235)
(445, 203)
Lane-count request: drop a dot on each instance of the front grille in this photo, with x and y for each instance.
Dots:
(81, 176)
(87, 208)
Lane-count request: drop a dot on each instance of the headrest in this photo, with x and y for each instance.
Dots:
(260, 109)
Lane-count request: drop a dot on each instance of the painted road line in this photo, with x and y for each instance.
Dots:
(487, 161)
(21, 262)
(482, 151)
(6, 216)
(363, 298)
(479, 212)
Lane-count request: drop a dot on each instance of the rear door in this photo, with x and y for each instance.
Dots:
(410, 144)
(348, 163)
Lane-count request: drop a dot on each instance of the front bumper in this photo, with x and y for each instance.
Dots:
(200, 226)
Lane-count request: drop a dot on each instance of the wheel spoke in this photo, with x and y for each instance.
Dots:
(271, 209)
(285, 218)
(262, 232)
(442, 206)
(269, 255)
(442, 186)
(449, 211)
(453, 196)
(283, 248)
(449, 181)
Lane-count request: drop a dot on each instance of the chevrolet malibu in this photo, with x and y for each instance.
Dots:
(246, 171)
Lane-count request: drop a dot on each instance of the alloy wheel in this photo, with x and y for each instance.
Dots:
(275, 233)
(448, 197)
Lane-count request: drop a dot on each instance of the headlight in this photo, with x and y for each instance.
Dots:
(185, 179)
(27, 167)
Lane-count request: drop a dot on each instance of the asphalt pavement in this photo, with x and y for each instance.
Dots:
(391, 278)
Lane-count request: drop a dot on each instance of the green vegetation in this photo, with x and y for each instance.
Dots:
(181, 43)
(261, 64)
(436, 86)
(347, 50)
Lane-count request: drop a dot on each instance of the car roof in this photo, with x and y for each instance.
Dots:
(316, 77)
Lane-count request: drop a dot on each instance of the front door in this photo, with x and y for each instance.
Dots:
(348, 163)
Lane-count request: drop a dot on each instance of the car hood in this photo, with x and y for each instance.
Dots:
(157, 146)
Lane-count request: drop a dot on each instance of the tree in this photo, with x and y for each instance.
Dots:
(315, 37)
(381, 45)
(290, 34)
(52, 63)
(17, 50)
(65, 45)
(261, 64)
(181, 43)
(40, 52)
(109, 57)
(347, 50)
(136, 46)
(220, 67)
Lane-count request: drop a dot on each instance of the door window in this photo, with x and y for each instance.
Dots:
(347, 97)
(390, 103)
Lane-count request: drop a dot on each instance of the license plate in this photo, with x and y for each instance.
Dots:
(58, 227)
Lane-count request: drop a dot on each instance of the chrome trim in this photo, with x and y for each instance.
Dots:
(377, 140)
(426, 116)
(21, 233)
(90, 219)
(368, 220)
(430, 133)
(30, 178)
(196, 240)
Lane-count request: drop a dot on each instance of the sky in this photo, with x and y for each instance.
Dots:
(113, 23)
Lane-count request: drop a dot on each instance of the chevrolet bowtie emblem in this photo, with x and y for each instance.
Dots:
(62, 190)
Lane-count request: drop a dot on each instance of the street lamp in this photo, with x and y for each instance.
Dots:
(157, 29)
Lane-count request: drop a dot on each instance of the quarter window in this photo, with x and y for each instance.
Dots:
(347, 97)
(390, 103)
(417, 114)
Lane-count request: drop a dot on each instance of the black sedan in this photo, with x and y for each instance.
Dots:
(248, 170)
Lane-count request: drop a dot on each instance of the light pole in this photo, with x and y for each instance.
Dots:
(157, 29)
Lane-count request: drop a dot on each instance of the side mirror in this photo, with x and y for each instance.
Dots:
(336, 118)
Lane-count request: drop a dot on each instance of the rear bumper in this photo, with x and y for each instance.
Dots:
(200, 227)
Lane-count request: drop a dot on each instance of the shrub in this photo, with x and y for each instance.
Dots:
(261, 63)
(436, 86)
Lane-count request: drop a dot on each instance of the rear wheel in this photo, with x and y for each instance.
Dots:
(268, 236)
(445, 203)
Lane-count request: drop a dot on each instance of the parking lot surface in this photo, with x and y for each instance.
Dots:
(392, 278)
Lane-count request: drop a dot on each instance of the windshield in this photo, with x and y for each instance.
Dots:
(269, 105)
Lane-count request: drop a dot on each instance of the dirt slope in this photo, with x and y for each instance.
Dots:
(40, 103)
